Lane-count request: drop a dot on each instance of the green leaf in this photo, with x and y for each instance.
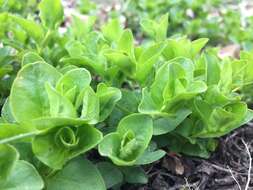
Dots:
(108, 97)
(8, 158)
(28, 98)
(248, 117)
(122, 60)
(212, 69)
(148, 26)
(60, 106)
(79, 78)
(67, 68)
(80, 27)
(75, 48)
(15, 132)
(200, 148)
(248, 57)
(149, 157)
(78, 174)
(31, 27)
(148, 104)
(132, 137)
(126, 43)
(112, 30)
(126, 105)
(173, 86)
(90, 110)
(23, 176)
(198, 44)
(92, 64)
(60, 144)
(156, 29)
(31, 57)
(220, 120)
(6, 113)
(163, 125)
(134, 175)
(110, 173)
(162, 27)
(147, 60)
(182, 47)
(46, 123)
(51, 13)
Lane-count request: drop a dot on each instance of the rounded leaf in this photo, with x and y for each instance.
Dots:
(8, 157)
(28, 98)
(23, 176)
(60, 144)
(78, 174)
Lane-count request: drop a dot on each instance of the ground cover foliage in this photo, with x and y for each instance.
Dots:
(82, 105)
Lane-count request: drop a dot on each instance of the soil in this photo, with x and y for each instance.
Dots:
(176, 172)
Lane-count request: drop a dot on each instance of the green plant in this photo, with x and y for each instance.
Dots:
(86, 6)
(98, 95)
(196, 19)
(22, 7)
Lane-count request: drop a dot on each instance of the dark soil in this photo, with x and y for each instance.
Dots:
(175, 172)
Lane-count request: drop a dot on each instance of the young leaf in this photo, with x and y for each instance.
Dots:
(28, 98)
(31, 27)
(108, 97)
(90, 110)
(198, 44)
(60, 106)
(51, 13)
(31, 57)
(126, 43)
(81, 28)
(112, 30)
(220, 120)
(162, 27)
(132, 137)
(147, 60)
(75, 48)
(60, 144)
(79, 78)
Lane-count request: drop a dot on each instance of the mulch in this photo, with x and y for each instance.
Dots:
(228, 164)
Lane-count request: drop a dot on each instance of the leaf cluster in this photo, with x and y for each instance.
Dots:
(88, 107)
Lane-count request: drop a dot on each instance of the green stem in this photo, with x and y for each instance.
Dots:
(52, 173)
(45, 40)
(17, 137)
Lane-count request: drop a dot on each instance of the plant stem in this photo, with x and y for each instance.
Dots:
(17, 137)
(45, 40)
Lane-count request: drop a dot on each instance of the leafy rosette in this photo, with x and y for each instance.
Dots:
(214, 112)
(40, 91)
(168, 99)
(220, 109)
(137, 63)
(125, 146)
(56, 109)
(62, 143)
